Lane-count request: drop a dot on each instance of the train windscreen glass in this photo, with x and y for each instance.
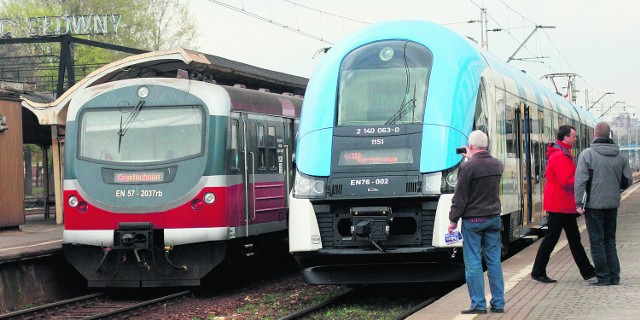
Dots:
(141, 134)
(384, 83)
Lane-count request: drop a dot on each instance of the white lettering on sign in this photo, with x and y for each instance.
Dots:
(367, 181)
(90, 24)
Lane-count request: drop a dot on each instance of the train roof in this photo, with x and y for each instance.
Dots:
(455, 58)
(518, 82)
(168, 63)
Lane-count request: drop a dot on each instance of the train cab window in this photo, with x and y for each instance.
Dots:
(271, 142)
(235, 155)
(384, 83)
(261, 148)
(141, 135)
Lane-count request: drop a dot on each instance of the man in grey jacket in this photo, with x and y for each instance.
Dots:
(601, 173)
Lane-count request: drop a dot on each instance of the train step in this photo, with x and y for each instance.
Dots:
(531, 238)
(247, 250)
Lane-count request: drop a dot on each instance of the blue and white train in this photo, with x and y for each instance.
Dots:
(376, 162)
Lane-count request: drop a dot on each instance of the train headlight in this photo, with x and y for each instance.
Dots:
(450, 180)
(431, 183)
(143, 92)
(83, 207)
(73, 201)
(307, 187)
(209, 198)
(386, 53)
(197, 204)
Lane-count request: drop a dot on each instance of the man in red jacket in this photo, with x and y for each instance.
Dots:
(560, 204)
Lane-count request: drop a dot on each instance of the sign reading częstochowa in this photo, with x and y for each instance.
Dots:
(89, 24)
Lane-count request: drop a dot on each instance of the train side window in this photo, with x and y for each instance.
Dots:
(271, 142)
(234, 154)
(540, 122)
(261, 148)
(510, 135)
(480, 119)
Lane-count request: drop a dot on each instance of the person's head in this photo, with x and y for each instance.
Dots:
(567, 134)
(478, 140)
(602, 130)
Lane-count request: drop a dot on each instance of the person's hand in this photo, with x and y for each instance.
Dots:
(452, 226)
(467, 154)
(580, 210)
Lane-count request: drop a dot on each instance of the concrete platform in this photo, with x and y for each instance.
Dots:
(36, 237)
(571, 297)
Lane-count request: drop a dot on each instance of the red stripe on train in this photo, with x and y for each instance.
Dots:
(226, 211)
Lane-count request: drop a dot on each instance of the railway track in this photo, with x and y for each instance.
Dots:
(93, 306)
(318, 306)
(361, 297)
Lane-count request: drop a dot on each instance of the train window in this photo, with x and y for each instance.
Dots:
(384, 83)
(480, 118)
(235, 155)
(271, 141)
(141, 135)
(540, 122)
(509, 130)
(261, 147)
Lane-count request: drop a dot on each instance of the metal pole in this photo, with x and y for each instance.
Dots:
(636, 147)
(485, 41)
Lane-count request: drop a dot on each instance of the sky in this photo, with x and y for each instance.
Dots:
(594, 39)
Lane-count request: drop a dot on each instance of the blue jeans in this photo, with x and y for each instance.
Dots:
(483, 237)
(601, 226)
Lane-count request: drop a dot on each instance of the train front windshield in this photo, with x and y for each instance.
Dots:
(141, 134)
(384, 83)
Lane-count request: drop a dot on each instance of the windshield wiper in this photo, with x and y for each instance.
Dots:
(404, 108)
(127, 122)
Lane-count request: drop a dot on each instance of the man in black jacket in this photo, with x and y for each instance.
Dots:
(476, 200)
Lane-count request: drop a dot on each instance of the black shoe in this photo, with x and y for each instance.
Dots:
(474, 311)
(590, 276)
(497, 310)
(543, 279)
(615, 283)
(600, 283)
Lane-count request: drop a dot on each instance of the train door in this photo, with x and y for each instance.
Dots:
(523, 154)
(247, 169)
(538, 157)
(288, 147)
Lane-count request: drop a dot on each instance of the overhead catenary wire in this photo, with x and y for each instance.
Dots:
(259, 17)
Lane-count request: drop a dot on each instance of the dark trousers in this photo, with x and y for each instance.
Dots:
(557, 222)
(601, 226)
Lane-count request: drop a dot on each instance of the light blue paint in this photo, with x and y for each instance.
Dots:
(450, 103)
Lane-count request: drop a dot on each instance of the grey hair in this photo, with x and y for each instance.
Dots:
(478, 140)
